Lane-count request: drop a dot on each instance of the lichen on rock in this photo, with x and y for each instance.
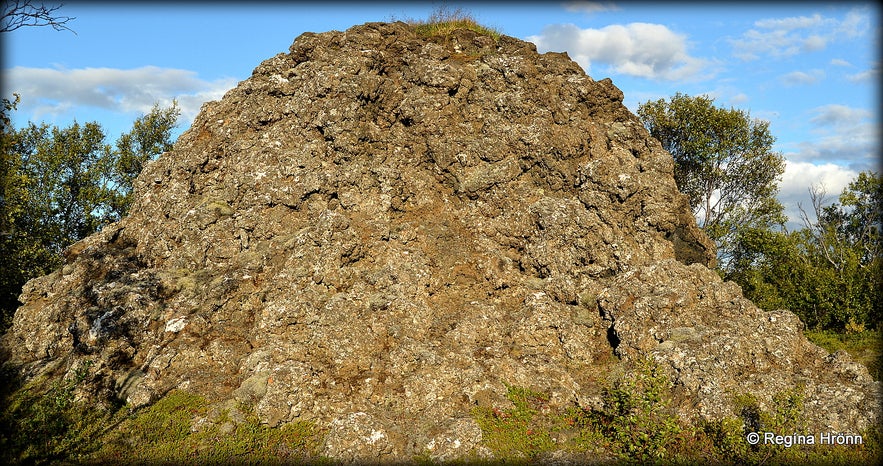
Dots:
(377, 231)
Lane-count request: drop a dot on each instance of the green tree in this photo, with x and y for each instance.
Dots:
(149, 137)
(829, 272)
(724, 163)
(855, 222)
(64, 176)
(59, 185)
(846, 243)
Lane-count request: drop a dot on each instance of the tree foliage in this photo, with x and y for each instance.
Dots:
(828, 272)
(59, 185)
(149, 137)
(724, 162)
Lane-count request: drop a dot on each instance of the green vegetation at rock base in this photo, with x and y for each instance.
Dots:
(170, 431)
(180, 428)
(862, 345)
(635, 424)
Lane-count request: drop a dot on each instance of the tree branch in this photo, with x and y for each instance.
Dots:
(23, 13)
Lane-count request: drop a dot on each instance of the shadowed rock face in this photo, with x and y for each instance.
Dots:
(377, 230)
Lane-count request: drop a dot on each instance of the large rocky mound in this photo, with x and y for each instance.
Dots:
(377, 231)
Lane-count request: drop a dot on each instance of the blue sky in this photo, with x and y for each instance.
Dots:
(811, 69)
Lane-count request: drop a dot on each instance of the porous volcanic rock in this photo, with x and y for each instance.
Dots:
(377, 231)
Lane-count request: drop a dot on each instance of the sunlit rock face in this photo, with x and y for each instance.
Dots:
(377, 231)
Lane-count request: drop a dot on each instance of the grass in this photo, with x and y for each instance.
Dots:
(516, 433)
(636, 425)
(42, 422)
(864, 346)
(51, 427)
(444, 21)
(166, 433)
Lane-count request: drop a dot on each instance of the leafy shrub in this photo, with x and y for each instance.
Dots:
(636, 424)
(636, 414)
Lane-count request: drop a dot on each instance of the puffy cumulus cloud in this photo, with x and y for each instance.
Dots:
(785, 37)
(796, 78)
(846, 142)
(799, 177)
(53, 92)
(638, 49)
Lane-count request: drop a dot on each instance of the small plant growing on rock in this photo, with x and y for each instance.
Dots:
(40, 423)
(636, 415)
(443, 21)
(728, 437)
(516, 432)
(165, 433)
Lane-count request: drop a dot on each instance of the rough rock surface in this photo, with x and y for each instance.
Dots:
(377, 230)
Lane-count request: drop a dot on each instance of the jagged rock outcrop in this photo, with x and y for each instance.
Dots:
(377, 230)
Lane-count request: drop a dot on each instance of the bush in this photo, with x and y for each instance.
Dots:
(636, 424)
(636, 414)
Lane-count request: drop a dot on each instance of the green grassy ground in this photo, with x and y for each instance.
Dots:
(864, 346)
(51, 428)
(635, 424)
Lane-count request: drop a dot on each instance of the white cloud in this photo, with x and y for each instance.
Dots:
(589, 7)
(56, 91)
(739, 98)
(863, 76)
(799, 177)
(855, 24)
(846, 142)
(802, 78)
(814, 42)
(839, 115)
(785, 37)
(846, 135)
(638, 49)
(840, 62)
(788, 24)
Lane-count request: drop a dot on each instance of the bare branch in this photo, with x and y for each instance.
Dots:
(24, 13)
(817, 197)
